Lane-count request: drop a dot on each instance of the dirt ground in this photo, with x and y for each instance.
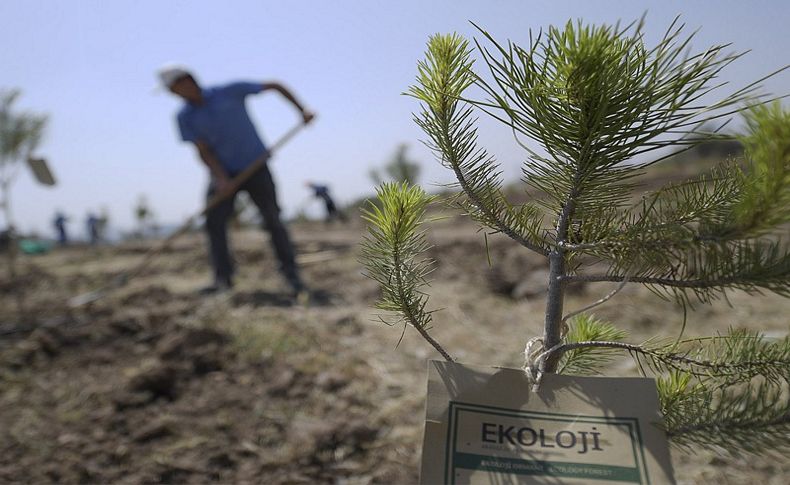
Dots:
(155, 383)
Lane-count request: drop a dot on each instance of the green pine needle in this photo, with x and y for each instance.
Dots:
(589, 360)
(765, 203)
(748, 417)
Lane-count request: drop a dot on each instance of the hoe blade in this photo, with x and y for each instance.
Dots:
(41, 171)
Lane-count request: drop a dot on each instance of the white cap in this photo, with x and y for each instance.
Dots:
(171, 73)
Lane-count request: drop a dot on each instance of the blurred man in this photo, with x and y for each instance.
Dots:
(216, 121)
(92, 225)
(322, 192)
(60, 228)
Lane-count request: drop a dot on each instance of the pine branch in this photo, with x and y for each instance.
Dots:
(725, 392)
(593, 97)
(686, 210)
(672, 282)
(703, 234)
(740, 355)
(732, 204)
(443, 76)
(391, 254)
(737, 356)
(707, 270)
(746, 417)
(588, 360)
(765, 204)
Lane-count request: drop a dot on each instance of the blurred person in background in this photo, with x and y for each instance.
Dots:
(92, 223)
(60, 228)
(321, 191)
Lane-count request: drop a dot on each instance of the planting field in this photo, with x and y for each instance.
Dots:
(157, 384)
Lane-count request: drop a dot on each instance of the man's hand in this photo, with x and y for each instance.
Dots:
(219, 178)
(222, 183)
(307, 116)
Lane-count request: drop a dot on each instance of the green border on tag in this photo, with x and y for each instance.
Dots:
(454, 459)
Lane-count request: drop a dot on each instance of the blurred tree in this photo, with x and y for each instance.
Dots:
(20, 134)
(399, 168)
(593, 98)
(144, 216)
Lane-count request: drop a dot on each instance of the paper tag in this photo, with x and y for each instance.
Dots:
(485, 425)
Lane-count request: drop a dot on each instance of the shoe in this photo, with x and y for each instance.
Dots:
(302, 296)
(298, 289)
(221, 285)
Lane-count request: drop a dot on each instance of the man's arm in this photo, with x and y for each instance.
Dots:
(218, 174)
(307, 116)
(188, 133)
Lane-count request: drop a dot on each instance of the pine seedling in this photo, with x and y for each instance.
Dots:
(593, 107)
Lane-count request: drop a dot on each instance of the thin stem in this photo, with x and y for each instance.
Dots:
(18, 286)
(434, 343)
(646, 280)
(5, 191)
(668, 358)
(598, 302)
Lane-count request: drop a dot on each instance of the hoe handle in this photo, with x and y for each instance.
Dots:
(234, 186)
(245, 174)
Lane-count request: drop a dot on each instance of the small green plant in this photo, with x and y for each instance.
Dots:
(599, 106)
(20, 134)
(144, 215)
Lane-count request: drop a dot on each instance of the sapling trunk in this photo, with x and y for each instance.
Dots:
(552, 327)
(555, 297)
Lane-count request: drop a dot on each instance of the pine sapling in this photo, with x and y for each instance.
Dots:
(593, 107)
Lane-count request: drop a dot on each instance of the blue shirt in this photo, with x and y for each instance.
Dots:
(222, 122)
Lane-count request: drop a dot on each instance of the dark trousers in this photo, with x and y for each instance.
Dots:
(331, 210)
(261, 189)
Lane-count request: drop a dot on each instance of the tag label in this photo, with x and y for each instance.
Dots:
(484, 425)
(487, 439)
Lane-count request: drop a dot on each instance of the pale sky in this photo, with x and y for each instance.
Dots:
(91, 66)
